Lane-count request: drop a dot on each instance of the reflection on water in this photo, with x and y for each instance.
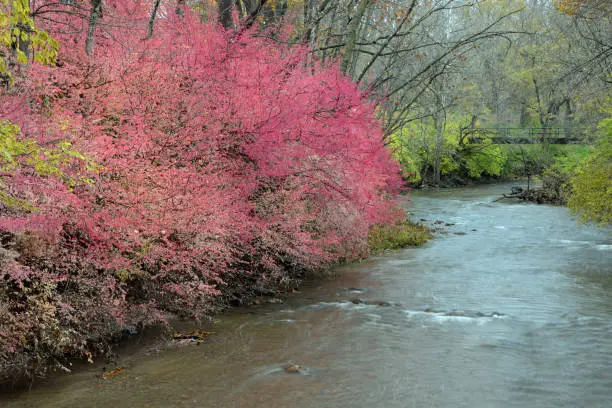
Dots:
(516, 312)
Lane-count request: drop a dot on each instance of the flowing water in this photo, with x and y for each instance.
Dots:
(511, 308)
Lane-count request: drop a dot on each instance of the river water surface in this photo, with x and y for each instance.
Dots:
(511, 308)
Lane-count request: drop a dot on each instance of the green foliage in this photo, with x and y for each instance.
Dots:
(400, 235)
(10, 147)
(18, 154)
(527, 160)
(18, 32)
(556, 176)
(414, 148)
(485, 158)
(591, 196)
(10, 150)
(569, 157)
(408, 151)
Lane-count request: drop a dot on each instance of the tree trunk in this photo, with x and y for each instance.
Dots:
(225, 13)
(542, 115)
(438, 125)
(308, 17)
(524, 117)
(351, 36)
(94, 16)
(567, 124)
(153, 16)
(528, 181)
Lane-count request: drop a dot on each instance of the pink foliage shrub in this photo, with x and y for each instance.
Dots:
(224, 164)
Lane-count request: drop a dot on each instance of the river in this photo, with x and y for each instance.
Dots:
(511, 308)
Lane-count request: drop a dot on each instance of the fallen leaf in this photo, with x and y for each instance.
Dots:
(113, 373)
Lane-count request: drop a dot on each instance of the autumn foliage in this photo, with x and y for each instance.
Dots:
(174, 174)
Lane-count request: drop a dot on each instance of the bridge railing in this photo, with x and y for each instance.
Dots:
(529, 132)
(510, 135)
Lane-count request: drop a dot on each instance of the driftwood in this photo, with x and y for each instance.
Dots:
(538, 196)
(196, 335)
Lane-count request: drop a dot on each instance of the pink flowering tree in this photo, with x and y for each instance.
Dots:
(208, 163)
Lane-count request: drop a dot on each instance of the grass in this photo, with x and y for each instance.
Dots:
(402, 234)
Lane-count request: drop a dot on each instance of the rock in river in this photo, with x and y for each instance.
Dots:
(291, 368)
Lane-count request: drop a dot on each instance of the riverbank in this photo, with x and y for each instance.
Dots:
(456, 181)
(535, 192)
(499, 316)
(239, 290)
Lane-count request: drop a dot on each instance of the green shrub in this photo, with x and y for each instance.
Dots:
(591, 186)
(555, 177)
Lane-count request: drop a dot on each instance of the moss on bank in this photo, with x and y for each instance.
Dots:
(400, 235)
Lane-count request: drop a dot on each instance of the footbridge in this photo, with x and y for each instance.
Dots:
(532, 135)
